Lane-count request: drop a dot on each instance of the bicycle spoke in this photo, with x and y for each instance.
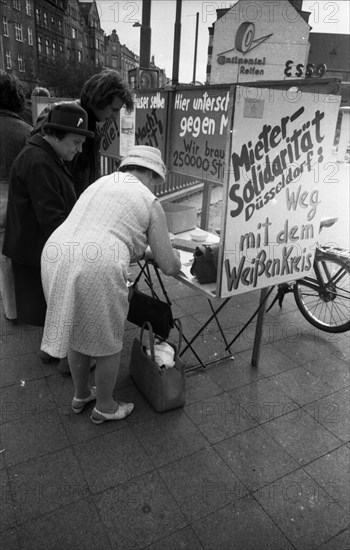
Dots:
(324, 299)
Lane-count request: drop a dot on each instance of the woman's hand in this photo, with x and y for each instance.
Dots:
(148, 255)
(167, 258)
(177, 254)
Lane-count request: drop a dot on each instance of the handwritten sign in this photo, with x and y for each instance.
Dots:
(200, 126)
(150, 126)
(275, 189)
(110, 137)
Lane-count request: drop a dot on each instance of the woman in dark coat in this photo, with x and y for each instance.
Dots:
(13, 134)
(41, 195)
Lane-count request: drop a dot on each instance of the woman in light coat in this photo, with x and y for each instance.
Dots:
(85, 272)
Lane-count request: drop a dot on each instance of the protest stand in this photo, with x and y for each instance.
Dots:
(269, 146)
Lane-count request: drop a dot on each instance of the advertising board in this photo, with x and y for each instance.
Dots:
(276, 188)
(259, 40)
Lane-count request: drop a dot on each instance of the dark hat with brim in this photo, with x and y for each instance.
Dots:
(68, 117)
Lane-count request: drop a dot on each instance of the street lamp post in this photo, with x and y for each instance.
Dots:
(145, 35)
(177, 39)
(195, 49)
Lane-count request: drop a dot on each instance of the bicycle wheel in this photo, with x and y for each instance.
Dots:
(323, 298)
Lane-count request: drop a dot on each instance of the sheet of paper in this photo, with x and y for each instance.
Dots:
(186, 263)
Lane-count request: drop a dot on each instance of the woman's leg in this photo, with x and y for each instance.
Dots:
(106, 375)
(80, 369)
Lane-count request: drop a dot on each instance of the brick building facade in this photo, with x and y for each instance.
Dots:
(36, 34)
(18, 46)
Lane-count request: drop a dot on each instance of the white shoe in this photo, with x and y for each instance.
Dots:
(124, 409)
(78, 405)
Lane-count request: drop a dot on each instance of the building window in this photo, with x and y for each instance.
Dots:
(40, 44)
(114, 62)
(60, 49)
(37, 15)
(16, 4)
(18, 32)
(52, 19)
(47, 47)
(30, 36)
(79, 56)
(53, 49)
(20, 61)
(74, 32)
(45, 19)
(8, 60)
(5, 26)
(60, 26)
(28, 7)
(96, 44)
(68, 54)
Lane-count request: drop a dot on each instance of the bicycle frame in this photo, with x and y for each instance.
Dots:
(319, 283)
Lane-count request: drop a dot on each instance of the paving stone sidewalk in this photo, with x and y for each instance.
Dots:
(257, 459)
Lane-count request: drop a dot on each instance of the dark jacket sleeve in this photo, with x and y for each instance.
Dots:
(44, 186)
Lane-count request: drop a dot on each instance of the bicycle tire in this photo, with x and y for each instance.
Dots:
(326, 308)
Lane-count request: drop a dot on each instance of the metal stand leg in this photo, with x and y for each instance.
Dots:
(265, 292)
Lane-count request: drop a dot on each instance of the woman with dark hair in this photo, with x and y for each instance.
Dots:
(41, 195)
(112, 223)
(102, 96)
(13, 134)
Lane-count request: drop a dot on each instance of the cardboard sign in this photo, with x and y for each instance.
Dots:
(151, 110)
(110, 137)
(200, 125)
(276, 186)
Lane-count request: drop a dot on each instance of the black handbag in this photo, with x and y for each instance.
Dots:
(205, 263)
(146, 308)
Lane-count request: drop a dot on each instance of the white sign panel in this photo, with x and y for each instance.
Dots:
(281, 144)
(260, 40)
(127, 131)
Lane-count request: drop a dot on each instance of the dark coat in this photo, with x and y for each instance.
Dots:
(41, 195)
(13, 134)
(86, 167)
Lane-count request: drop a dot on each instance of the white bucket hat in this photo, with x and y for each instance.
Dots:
(146, 156)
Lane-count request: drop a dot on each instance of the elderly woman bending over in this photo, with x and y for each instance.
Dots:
(85, 270)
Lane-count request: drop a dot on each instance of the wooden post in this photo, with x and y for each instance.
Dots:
(206, 199)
